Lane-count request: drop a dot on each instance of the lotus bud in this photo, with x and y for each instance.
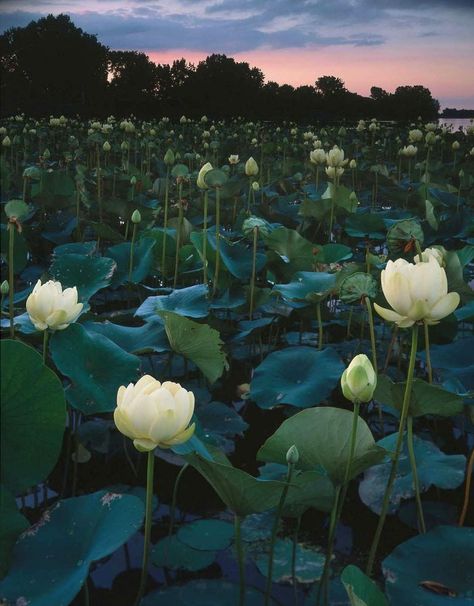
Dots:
(456, 145)
(4, 287)
(106, 147)
(49, 306)
(183, 120)
(415, 135)
(200, 182)
(353, 164)
(169, 157)
(6, 141)
(46, 154)
(154, 414)
(255, 186)
(359, 380)
(136, 216)
(133, 181)
(124, 146)
(251, 167)
(292, 456)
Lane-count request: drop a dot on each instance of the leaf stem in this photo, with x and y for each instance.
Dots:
(416, 482)
(240, 558)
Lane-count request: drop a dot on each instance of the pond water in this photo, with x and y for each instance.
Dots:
(455, 123)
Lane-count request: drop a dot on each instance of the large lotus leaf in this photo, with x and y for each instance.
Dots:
(322, 437)
(51, 559)
(173, 553)
(88, 274)
(78, 248)
(20, 249)
(362, 225)
(459, 354)
(207, 535)
(204, 592)
(306, 286)
(332, 253)
(309, 563)
(132, 339)
(191, 301)
(33, 417)
(341, 196)
(434, 469)
(425, 399)
(294, 252)
(361, 590)
(403, 233)
(241, 492)
(198, 342)
(300, 376)
(356, 286)
(308, 489)
(441, 559)
(236, 257)
(142, 260)
(95, 365)
(12, 523)
(218, 422)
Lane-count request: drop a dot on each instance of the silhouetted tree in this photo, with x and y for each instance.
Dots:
(51, 66)
(409, 102)
(133, 82)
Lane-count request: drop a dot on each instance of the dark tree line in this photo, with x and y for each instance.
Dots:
(53, 67)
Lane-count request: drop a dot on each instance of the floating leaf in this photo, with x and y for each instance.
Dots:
(88, 274)
(191, 301)
(207, 535)
(309, 563)
(12, 524)
(142, 261)
(132, 339)
(308, 286)
(33, 417)
(300, 376)
(173, 553)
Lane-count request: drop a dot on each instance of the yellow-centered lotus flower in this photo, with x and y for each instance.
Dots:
(49, 306)
(416, 292)
(154, 414)
(359, 380)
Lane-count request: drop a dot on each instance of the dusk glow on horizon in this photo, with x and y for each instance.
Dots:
(387, 45)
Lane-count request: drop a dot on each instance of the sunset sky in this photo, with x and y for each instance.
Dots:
(379, 42)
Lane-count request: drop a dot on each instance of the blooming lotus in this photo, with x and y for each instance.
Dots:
(416, 292)
(49, 306)
(154, 414)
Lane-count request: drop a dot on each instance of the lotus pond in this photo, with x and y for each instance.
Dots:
(237, 363)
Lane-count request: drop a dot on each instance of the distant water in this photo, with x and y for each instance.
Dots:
(456, 123)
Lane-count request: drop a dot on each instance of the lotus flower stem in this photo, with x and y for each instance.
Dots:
(165, 222)
(276, 521)
(45, 345)
(240, 558)
(218, 236)
(416, 482)
(178, 234)
(11, 293)
(398, 448)
(293, 559)
(254, 270)
(470, 466)
(204, 238)
(320, 325)
(174, 498)
(370, 315)
(132, 246)
(148, 520)
(323, 589)
(427, 352)
(355, 419)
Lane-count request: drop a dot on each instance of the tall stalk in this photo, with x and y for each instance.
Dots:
(416, 482)
(398, 447)
(11, 273)
(218, 237)
(178, 234)
(254, 271)
(240, 558)
(165, 223)
(148, 520)
(204, 238)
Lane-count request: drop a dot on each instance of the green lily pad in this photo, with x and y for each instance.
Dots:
(299, 376)
(51, 560)
(356, 286)
(442, 557)
(142, 261)
(365, 225)
(307, 286)
(191, 301)
(17, 209)
(434, 469)
(215, 178)
(173, 553)
(205, 592)
(425, 399)
(218, 420)
(321, 436)
(309, 563)
(402, 233)
(292, 252)
(95, 365)
(132, 339)
(207, 535)
(333, 253)
(88, 274)
(361, 590)
(198, 342)
(12, 523)
(33, 417)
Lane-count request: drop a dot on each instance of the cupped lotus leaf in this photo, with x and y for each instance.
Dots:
(132, 339)
(51, 559)
(309, 563)
(95, 365)
(12, 523)
(142, 261)
(173, 553)
(425, 399)
(402, 235)
(198, 342)
(434, 469)
(88, 274)
(179, 170)
(242, 493)
(293, 252)
(206, 535)
(432, 569)
(361, 590)
(299, 376)
(322, 437)
(307, 286)
(356, 286)
(17, 210)
(191, 301)
(215, 178)
(205, 592)
(33, 417)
